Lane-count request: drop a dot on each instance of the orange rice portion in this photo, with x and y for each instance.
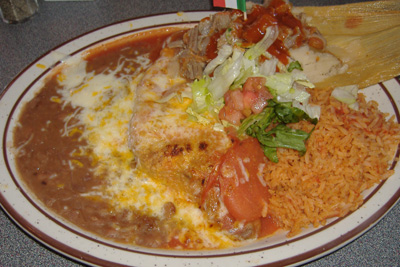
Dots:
(348, 152)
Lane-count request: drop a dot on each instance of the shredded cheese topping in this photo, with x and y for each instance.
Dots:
(103, 105)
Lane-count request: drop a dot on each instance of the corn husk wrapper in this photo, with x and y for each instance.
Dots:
(365, 36)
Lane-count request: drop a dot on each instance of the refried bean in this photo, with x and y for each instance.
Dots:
(44, 155)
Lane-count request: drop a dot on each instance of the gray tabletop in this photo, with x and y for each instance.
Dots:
(59, 21)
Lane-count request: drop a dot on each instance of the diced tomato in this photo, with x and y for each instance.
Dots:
(239, 177)
(240, 104)
(234, 99)
(259, 105)
(232, 111)
(231, 115)
(249, 97)
(255, 94)
(254, 84)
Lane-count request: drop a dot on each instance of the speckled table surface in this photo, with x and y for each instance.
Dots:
(59, 21)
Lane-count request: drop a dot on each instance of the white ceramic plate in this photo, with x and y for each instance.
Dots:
(55, 232)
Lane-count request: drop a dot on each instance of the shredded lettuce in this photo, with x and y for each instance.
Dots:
(261, 121)
(201, 97)
(348, 95)
(282, 136)
(203, 101)
(313, 111)
(259, 48)
(225, 74)
(232, 67)
(268, 67)
(249, 62)
(280, 83)
(247, 71)
(278, 114)
(286, 113)
(197, 117)
(294, 95)
(294, 65)
(223, 53)
(283, 86)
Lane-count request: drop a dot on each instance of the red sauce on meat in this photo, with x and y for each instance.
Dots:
(256, 25)
(253, 29)
(278, 12)
(211, 50)
(279, 50)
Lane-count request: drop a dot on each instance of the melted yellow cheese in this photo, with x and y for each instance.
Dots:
(103, 107)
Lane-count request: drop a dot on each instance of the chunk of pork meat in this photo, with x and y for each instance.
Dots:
(193, 57)
(209, 33)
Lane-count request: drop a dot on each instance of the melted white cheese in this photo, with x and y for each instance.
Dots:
(104, 108)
